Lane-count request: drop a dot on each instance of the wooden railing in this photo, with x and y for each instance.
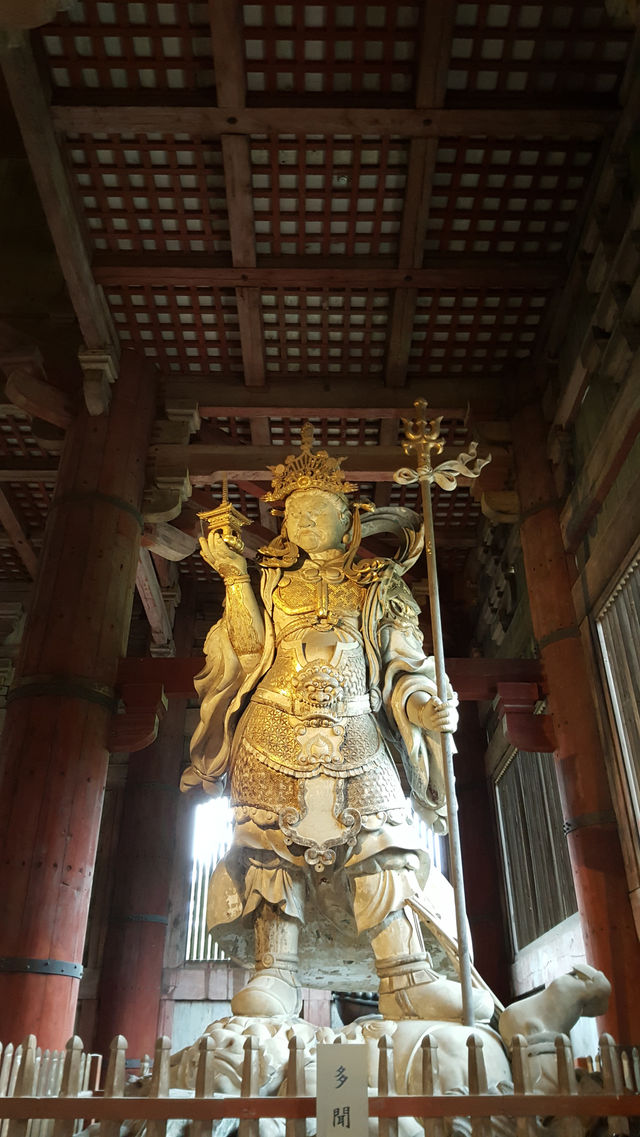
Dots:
(55, 1094)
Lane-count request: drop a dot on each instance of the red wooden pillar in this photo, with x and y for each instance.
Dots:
(131, 979)
(594, 847)
(54, 755)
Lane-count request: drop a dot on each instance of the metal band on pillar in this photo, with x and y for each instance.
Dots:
(41, 966)
(568, 633)
(141, 918)
(588, 821)
(80, 497)
(63, 686)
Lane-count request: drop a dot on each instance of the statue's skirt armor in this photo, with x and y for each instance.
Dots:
(309, 737)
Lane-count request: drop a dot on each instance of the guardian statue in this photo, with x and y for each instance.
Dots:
(312, 697)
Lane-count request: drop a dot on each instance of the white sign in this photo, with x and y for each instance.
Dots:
(342, 1091)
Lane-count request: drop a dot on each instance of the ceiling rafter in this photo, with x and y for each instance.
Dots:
(17, 532)
(180, 114)
(228, 61)
(32, 112)
(333, 397)
(28, 469)
(442, 272)
(433, 55)
(209, 463)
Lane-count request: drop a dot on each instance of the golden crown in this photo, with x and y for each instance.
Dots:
(305, 471)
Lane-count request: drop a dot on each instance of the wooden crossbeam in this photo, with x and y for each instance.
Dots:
(335, 396)
(471, 678)
(153, 602)
(207, 464)
(227, 47)
(442, 272)
(28, 470)
(433, 56)
(16, 531)
(179, 114)
(32, 112)
(388, 437)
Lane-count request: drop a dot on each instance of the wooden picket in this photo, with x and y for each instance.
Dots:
(53, 1094)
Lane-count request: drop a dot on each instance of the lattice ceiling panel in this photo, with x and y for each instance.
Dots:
(246, 503)
(328, 431)
(313, 332)
(238, 429)
(326, 49)
(195, 567)
(319, 195)
(537, 49)
(188, 330)
(151, 193)
(474, 331)
(118, 45)
(17, 439)
(12, 570)
(508, 196)
(31, 501)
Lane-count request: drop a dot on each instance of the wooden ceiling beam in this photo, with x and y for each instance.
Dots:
(16, 531)
(433, 57)
(207, 464)
(28, 469)
(472, 678)
(441, 272)
(180, 114)
(227, 46)
(388, 437)
(32, 112)
(335, 396)
(153, 603)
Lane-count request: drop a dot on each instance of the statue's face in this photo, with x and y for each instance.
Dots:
(316, 520)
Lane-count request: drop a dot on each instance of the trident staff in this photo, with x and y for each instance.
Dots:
(422, 437)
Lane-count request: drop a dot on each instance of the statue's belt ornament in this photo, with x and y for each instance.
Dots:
(319, 693)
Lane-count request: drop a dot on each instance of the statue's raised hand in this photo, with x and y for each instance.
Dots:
(225, 561)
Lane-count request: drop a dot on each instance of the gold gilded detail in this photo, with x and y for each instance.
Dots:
(378, 789)
(296, 595)
(317, 689)
(273, 737)
(255, 784)
(307, 470)
(226, 520)
(242, 632)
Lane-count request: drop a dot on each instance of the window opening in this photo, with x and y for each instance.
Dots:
(618, 629)
(533, 847)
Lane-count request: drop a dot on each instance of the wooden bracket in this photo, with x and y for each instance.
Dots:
(523, 725)
(136, 726)
(100, 370)
(163, 501)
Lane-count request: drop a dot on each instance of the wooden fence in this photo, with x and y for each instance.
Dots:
(56, 1094)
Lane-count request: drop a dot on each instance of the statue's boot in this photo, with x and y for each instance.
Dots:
(274, 988)
(409, 988)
